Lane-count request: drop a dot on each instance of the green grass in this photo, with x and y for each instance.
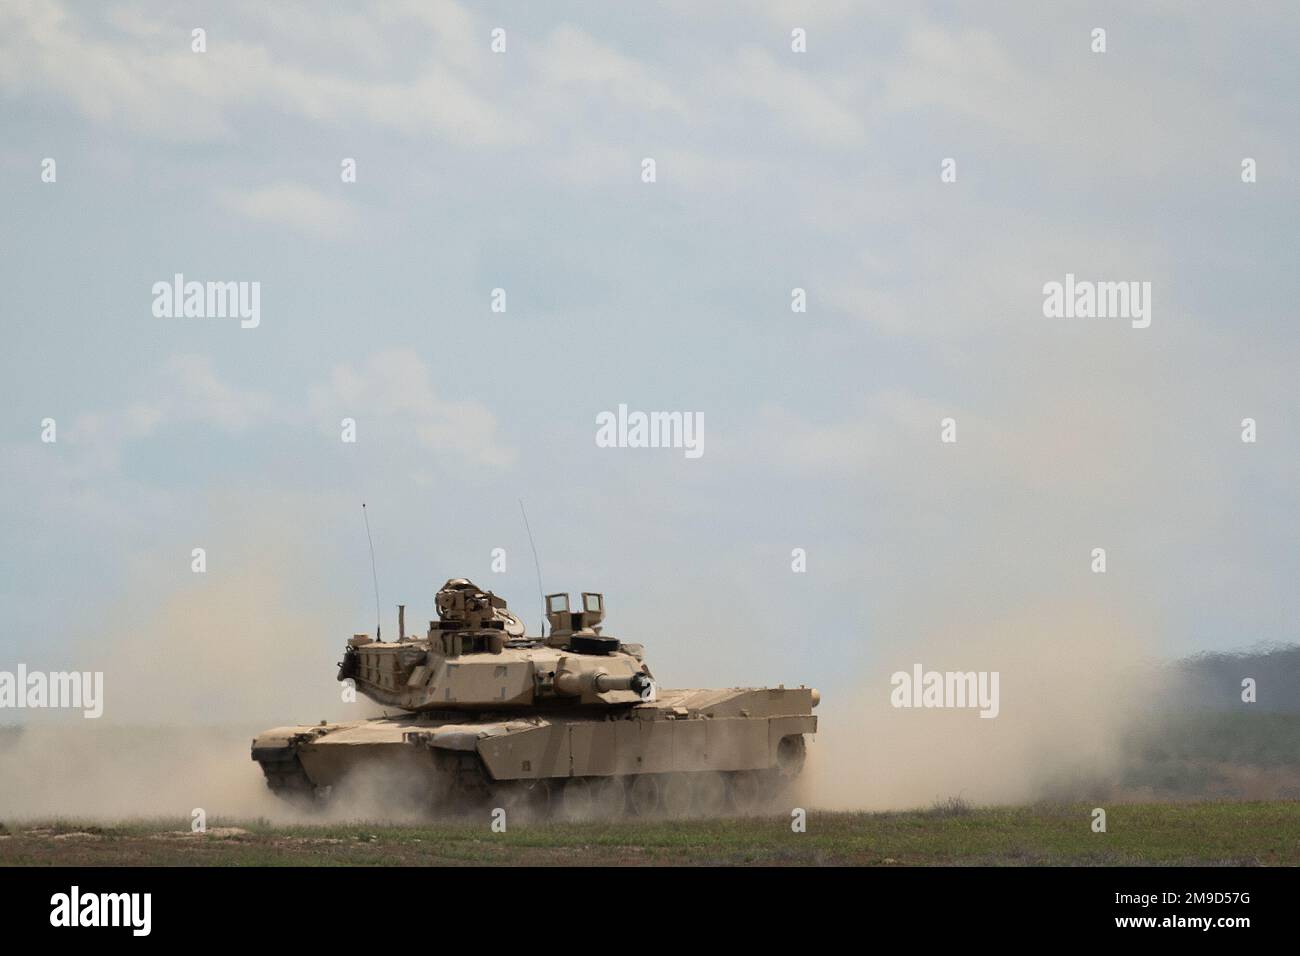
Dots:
(1224, 833)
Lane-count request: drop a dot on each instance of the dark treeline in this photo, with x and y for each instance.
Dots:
(1214, 681)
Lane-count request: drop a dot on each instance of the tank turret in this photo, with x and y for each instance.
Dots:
(476, 655)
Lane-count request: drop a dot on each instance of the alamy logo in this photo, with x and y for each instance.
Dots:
(103, 909)
(208, 300)
(71, 690)
(946, 689)
(1098, 300)
(626, 429)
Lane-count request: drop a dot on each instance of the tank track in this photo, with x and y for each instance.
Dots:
(463, 784)
(285, 776)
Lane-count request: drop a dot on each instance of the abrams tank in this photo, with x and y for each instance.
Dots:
(571, 724)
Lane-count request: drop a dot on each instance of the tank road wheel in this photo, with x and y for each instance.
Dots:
(643, 794)
(708, 794)
(577, 800)
(439, 786)
(608, 798)
(790, 755)
(781, 781)
(522, 800)
(751, 791)
(675, 794)
(291, 791)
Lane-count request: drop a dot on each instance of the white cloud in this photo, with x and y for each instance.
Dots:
(297, 207)
(392, 392)
(802, 102)
(571, 61)
(151, 82)
(1129, 111)
(200, 395)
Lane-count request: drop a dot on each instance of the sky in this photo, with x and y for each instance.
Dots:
(775, 170)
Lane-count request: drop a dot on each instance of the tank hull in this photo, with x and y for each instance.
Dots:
(702, 750)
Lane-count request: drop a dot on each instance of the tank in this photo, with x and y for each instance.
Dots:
(571, 724)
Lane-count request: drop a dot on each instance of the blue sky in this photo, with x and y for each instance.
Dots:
(775, 170)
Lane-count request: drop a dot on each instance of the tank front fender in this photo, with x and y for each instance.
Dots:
(279, 743)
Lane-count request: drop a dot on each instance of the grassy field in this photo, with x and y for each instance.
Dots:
(1137, 834)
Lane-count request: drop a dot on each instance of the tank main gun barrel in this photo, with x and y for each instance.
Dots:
(574, 683)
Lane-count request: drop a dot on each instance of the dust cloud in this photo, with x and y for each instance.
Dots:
(101, 771)
(194, 667)
(1073, 689)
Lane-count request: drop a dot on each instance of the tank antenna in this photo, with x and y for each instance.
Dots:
(373, 573)
(536, 566)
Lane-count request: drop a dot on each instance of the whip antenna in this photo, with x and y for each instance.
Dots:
(536, 566)
(373, 573)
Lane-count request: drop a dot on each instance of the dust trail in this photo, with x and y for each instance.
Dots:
(1072, 691)
(191, 673)
(106, 772)
(389, 792)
